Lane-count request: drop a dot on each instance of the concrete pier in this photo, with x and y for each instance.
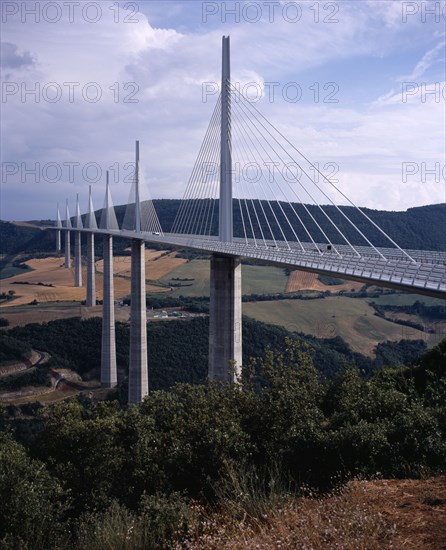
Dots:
(58, 243)
(138, 371)
(225, 320)
(91, 275)
(77, 260)
(58, 235)
(67, 250)
(108, 352)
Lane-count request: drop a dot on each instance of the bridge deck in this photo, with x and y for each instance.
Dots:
(425, 275)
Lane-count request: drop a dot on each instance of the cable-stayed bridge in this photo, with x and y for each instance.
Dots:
(251, 194)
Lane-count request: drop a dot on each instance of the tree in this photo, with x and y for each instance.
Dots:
(81, 445)
(32, 502)
(291, 421)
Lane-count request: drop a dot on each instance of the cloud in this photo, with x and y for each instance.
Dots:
(12, 59)
(430, 58)
(150, 76)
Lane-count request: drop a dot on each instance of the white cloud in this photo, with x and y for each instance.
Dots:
(434, 55)
(169, 64)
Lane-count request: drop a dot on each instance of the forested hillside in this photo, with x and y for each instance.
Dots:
(178, 350)
(94, 475)
(418, 228)
(24, 238)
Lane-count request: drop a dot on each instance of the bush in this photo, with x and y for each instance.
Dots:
(32, 502)
(161, 519)
(12, 350)
(35, 377)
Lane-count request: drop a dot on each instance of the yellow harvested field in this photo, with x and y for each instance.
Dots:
(157, 265)
(23, 315)
(37, 314)
(50, 271)
(302, 280)
(46, 271)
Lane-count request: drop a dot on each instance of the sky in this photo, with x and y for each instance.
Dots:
(357, 86)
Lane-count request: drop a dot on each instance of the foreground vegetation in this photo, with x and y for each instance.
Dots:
(93, 475)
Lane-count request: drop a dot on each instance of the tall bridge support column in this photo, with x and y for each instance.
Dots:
(67, 250)
(138, 371)
(58, 243)
(91, 275)
(77, 260)
(108, 351)
(225, 320)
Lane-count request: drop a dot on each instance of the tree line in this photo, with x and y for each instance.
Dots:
(178, 349)
(416, 228)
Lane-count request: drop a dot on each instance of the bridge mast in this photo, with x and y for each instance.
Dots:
(225, 315)
(78, 247)
(67, 238)
(225, 205)
(138, 367)
(91, 278)
(58, 224)
(109, 377)
(137, 202)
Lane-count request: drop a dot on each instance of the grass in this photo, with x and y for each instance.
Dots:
(342, 520)
(301, 280)
(255, 279)
(366, 515)
(263, 279)
(351, 318)
(362, 515)
(195, 269)
(406, 299)
(9, 270)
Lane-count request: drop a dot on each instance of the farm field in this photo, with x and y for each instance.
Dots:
(195, 269)
(255, 279)
(8, 269)
(407, 300)
(158, 264)
(50, 271)
(51, 311)
(301, 280)
(263, 279)
(47, 271)
(351, 318)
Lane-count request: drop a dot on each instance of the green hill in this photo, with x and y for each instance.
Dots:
(421, 228)
(179, 349)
